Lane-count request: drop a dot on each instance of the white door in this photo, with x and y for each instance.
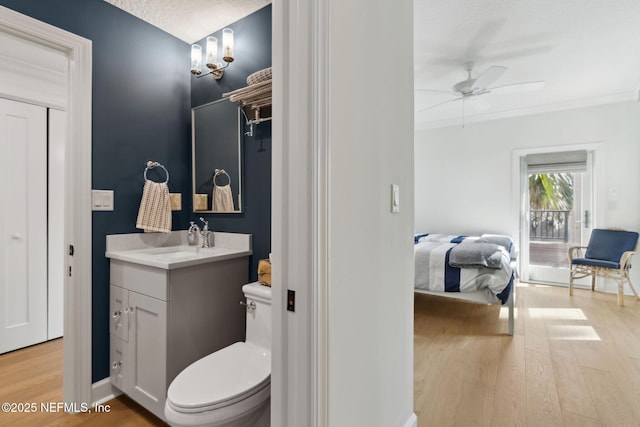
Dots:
(557, 212)
(23, 225)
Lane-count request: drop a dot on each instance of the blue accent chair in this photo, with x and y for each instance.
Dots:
(608, 255)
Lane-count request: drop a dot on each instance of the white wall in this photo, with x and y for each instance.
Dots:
(463, 175)
(370, 330)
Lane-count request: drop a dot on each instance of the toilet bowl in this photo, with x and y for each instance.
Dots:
(231, 387)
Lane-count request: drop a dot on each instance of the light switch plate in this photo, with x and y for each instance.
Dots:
(395, 198)
(102, 200)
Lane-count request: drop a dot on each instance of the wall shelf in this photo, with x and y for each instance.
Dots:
(255, 101)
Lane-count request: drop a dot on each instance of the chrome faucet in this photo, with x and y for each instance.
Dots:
(193, 232)
(205, 233)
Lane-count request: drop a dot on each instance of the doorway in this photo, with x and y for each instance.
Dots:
(31, 250)
(36, 46)
(556, 212)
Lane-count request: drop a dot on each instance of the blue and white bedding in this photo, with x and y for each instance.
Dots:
(481, 263)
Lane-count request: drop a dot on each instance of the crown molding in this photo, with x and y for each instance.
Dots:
(539, 109)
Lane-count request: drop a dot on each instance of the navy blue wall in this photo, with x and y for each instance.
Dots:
(142, 95)
(252, 37)
(141, 102)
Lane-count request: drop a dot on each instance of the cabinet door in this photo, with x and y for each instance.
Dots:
(119, 363)
(148, 352)
(119, 312)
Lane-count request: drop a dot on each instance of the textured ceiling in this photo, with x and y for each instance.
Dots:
(587, 52)
(190, 20)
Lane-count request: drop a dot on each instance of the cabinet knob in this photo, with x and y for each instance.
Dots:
(117, 365)
(117, 314)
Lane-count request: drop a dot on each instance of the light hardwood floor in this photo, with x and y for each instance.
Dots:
(573, 361)
(34, 375)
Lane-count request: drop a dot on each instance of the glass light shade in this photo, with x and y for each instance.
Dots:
(212, 52)
(227, 45)
(196, 58)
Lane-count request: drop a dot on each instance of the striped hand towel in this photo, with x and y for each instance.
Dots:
(155, 208)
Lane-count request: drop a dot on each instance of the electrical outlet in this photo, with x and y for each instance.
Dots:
(291, 300)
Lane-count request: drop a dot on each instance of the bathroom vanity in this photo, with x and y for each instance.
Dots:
(171, 304)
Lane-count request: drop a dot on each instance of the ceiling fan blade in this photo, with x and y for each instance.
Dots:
(517, 87)
(447, 92)
(478, 103)
(438, 104)
(489, 76)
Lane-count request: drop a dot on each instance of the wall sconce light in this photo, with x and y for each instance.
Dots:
(216, 68)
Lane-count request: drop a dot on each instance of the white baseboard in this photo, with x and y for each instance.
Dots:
(102, 391)
(412, 421)
(607, 286)
(611, 287)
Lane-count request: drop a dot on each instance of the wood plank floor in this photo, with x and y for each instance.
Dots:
(573, 361)
(34, 375)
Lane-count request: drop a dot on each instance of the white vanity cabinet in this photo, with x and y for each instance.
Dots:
(162, 320)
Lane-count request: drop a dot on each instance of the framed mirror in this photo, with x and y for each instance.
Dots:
(216, 158)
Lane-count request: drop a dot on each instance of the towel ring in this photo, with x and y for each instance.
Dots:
(153, 165)
(221, 172)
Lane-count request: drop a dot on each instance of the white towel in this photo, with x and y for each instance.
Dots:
(222, 198)
(155, 208)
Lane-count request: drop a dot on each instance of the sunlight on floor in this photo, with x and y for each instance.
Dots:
(572, 332)
(504, 312)
(556, 313)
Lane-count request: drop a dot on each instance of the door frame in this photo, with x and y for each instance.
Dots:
(519, 222)
(300, 224)
(76, 193)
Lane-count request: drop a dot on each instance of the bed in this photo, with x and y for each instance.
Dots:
(479, 269)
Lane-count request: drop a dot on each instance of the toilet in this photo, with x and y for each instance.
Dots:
(231, 387)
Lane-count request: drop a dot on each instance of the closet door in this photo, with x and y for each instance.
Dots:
(23, 225)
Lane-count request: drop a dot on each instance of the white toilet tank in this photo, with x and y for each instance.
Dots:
(259, 318)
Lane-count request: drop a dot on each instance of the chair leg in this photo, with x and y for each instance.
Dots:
(632, 288)
(593, 281)
(621, 294)
(571, 283)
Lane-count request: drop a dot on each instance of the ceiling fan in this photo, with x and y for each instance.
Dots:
(473, 88)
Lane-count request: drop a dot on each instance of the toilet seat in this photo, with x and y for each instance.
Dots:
(220, 379)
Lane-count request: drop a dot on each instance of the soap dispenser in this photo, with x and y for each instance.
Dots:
(192, 233)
